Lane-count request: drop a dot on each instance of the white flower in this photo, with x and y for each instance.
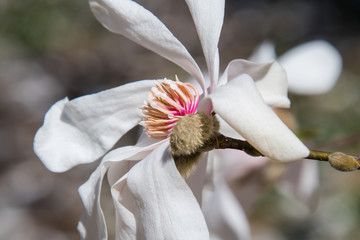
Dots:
(151, 199)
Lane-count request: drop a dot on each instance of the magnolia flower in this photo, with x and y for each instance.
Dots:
(151, 198)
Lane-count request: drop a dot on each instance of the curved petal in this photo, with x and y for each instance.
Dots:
(208, 16)
(270, 79)
(92, 223)
(312, 68)
(131, 20)
(82, 130)
(245, 175)
(167, 207)
(225, 216)
(240, 104)
(131, 153)
(127, 216)
(265, 52)
(227, 130)
(302, 182)
(197, 179)
(223, 212)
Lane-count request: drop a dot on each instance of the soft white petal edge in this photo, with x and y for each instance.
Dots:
(82, 130)
(167, 207)
(240, 104)
(127, 216)
(313, 67)
(270, 79)
(131, 20)
(92, 224)
(225, 216)
(208, 16)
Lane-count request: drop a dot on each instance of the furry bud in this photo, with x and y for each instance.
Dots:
(187, 138)
(343, 162)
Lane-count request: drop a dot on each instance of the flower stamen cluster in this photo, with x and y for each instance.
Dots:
(166, 104)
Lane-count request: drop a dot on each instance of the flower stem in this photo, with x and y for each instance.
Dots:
(223, 142)
(339, 161)
(319, 155)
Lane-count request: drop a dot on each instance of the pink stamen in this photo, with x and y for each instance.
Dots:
(166, 104)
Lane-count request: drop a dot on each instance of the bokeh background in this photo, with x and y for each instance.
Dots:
(52, 49)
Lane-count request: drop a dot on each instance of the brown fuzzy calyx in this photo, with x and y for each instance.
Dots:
(187, 138)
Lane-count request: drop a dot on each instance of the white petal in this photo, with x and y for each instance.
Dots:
(240, 104)
(265, 52)
(127, 216)
(92, 223)
(227, 130)
(243, 173)
(208, 16)
(82, 130)
(270, 79)
(196, 180)
(131, 20)
(167, 207)
(302, 182)
(312, 68)
(133, 153)
(224, 216)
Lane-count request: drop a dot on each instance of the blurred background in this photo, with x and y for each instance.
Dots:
(53, 49)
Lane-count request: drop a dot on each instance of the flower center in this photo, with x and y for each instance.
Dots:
(166, 104)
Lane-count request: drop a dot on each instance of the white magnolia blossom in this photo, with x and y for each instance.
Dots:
(151, 199)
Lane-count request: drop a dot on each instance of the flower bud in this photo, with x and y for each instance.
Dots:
(343, 162)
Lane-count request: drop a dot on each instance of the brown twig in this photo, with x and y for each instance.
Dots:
(337, 160)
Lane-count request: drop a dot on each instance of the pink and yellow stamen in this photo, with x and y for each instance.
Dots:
(166, 104)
